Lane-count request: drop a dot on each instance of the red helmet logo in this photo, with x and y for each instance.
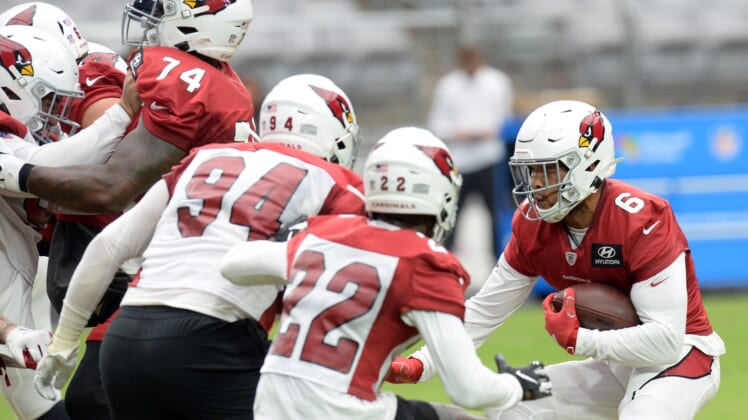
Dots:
(591, 127)
(337, 104)
(25, 18)
(13, 54)
(441, 159)
(214, 6)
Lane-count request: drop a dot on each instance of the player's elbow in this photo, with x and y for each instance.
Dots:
(465, 394)
(670, 344)
(467, 401)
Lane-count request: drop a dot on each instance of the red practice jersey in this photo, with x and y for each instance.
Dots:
(633, 236)
(350, 281)
(98, 80)
(188, 102)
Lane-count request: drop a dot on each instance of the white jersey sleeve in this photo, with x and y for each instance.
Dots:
(125, 238)
(466, 380)
(504, 292)
(662, 310)
(92, 145)
(268, 264)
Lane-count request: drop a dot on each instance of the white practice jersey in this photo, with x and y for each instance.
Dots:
(224, 195)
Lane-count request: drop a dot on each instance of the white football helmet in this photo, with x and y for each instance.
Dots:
(213, 28)
(569, 136)
(50, 19)
(410, 171)
(38, 80)
(311, 113)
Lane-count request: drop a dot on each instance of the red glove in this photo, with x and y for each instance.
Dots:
(563, 325)
(404, 370)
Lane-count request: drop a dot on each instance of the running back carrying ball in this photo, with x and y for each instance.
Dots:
(600, 307)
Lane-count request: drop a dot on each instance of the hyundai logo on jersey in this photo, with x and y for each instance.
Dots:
(607, 255)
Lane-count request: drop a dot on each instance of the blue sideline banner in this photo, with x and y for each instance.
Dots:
(698, 160)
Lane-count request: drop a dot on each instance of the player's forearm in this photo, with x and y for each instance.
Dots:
(93, 145)
(660, 338)
(92, 189)
(502, 293)
(6, 326)
(466, 380)
(125, 238)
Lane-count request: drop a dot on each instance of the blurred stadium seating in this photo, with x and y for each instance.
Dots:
(388, 53)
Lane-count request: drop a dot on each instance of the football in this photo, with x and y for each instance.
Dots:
(600, 307)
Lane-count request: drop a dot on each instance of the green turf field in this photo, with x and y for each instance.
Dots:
(524, 339)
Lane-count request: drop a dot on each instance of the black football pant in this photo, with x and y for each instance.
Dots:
(166, 363)
(69, 242)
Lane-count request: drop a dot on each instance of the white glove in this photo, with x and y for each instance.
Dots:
(28, 346)
(12, 169)
(53, 372)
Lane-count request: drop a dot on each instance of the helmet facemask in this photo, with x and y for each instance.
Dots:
(140, 22)
(55, 106)
(556, 177)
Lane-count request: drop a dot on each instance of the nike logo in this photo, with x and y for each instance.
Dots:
(646, 230)
(90, 82)
(157, 107)
(658, 282)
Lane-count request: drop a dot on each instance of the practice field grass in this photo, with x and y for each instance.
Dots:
(523, 339)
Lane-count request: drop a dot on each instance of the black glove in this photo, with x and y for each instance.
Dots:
(533, 379)
(289, 230)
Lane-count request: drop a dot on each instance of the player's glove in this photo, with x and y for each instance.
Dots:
(404, 370)
(53, 372)
(14, 172)
(27, 346)
(533, 379)
(563, 325)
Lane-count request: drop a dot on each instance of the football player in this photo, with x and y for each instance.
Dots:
(207, 336)
(361, 289)
(38, 83)
(192, 97)
(575, 225)
(101, 76)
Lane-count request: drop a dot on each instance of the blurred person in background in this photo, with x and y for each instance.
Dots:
(204, 337)
(575, 225)
(469, 108)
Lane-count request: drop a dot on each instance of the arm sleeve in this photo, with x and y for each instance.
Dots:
(466, 380)
(504, 291)
(125, 238)
(662, 310)
(255, 263)
(91, 145)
